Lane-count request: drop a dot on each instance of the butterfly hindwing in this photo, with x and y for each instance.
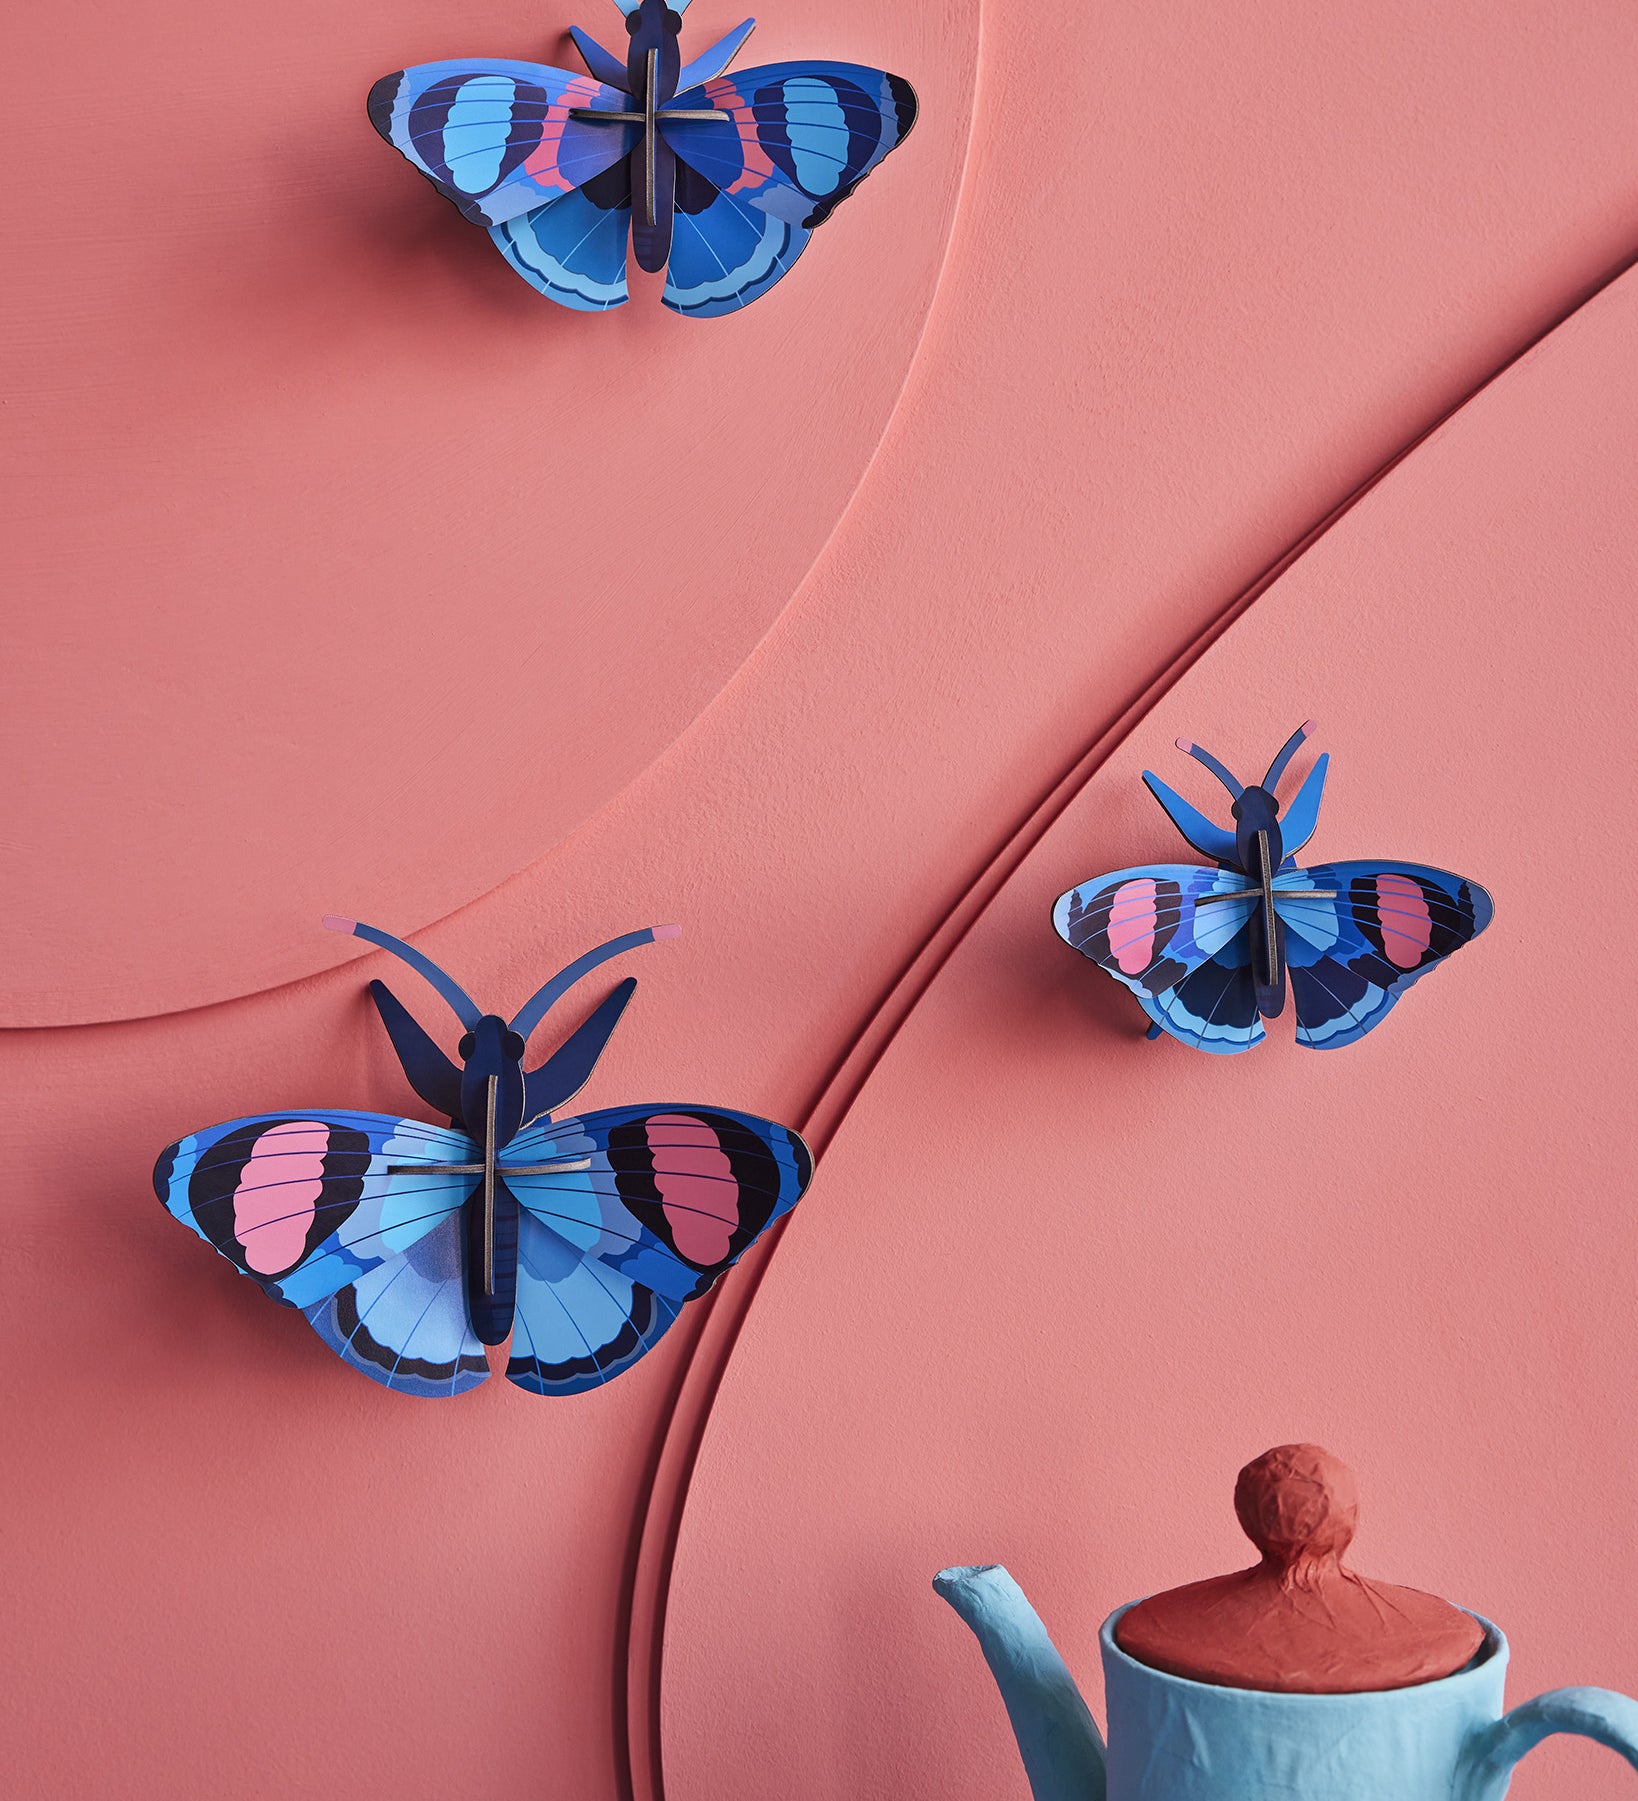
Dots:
(670, 1198)
(405, 1324)
(799, 137)
(573, 249)
(579, 1322)
(307, 1203)
(1187, 959)
(725, 250)
(1350, 958)
(497, 137)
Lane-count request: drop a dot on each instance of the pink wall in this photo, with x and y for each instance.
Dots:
(947, 538)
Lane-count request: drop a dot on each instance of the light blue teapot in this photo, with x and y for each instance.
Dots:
(1175, 1738)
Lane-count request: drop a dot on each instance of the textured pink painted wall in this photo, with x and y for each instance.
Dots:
(1150, 293)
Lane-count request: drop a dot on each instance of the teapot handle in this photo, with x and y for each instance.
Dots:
(1595, 1713)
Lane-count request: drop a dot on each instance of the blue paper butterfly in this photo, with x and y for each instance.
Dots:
(730, 176)
(1207, 951)
(410, 1247)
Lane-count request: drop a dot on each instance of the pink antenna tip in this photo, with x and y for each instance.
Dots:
(1185, 746)
(1309, 724)
(333, 922)
(667, 931)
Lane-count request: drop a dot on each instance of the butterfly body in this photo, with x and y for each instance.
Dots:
(1211, 953)
(718, 181)
(411, 1247)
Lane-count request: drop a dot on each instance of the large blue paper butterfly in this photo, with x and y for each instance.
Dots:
(719, 181)
(1207, 951)
(410, 1247)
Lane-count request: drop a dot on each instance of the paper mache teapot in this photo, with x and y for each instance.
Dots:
(1297, 1678)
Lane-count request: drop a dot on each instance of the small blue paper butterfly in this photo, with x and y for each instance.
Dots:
(409, 1247)
(719, 181)
(1207, 951)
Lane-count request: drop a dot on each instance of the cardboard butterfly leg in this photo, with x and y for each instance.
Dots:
(718, 181)
(1209, 953)
(411, 1247)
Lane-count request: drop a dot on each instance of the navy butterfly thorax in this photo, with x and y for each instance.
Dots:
(1211, 953)
(410, 1247)
(717, 180)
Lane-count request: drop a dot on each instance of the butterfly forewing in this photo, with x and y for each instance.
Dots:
(305, 1203)
(799, 137)
(497, 137)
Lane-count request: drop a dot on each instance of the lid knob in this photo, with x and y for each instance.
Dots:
(1299, 1506)
(1301, 1621)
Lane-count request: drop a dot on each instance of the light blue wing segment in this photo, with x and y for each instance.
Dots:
(799, 137)
(1313, 923)
(1365, 934)
(1298, 821)
(608, 69)
(573, 250)
(497, 137)
(727, 256)
(1210, 840)
(1161, 931)
(405, 1324)
(305, 1203)
(711, 63)
(584, 1210)
(579, 1323)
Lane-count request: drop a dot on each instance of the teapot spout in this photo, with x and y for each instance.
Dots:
(1057, 1737)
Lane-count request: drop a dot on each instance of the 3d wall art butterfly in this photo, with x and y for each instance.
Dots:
(409, 1247)
(1207, 952)
(719, 180)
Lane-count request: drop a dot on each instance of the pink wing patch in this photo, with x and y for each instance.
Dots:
(278, 1193)
(697, 1187)
(1131, 929)
(1405, 922)
(759, 169)
(541, 163)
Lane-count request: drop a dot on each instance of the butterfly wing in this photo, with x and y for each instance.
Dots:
(573, 250)
(1185, 956)
(1351, 957)
(405, 1324)
(726, 251)
(799, 137)
(669, 1198)
(497, 137)
(307, 1203)
(579, 1323)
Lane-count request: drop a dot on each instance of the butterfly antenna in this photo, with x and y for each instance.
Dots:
(467, 1010)
(535, 1010)
(1290, 748)
(1217, 769)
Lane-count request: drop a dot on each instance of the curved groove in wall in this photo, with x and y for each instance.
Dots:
(672, 1461)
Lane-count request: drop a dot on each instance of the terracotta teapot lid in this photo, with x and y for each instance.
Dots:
(1301, 1622)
